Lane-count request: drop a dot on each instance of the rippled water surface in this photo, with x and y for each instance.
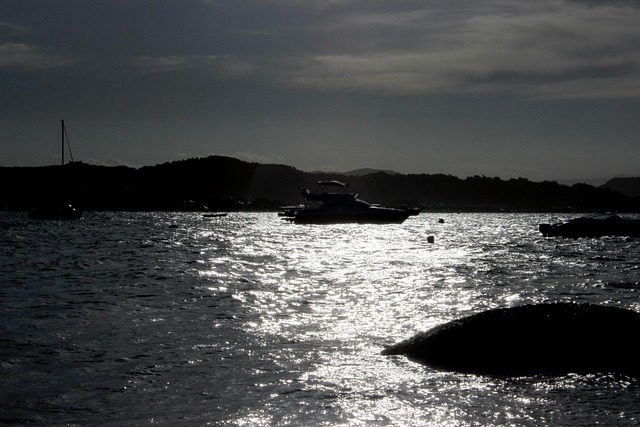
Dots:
(177, 319)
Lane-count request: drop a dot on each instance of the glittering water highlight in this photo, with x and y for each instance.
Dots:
(177, 319)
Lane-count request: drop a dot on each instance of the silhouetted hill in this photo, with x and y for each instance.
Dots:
(224, 183)
(367, 171)
(628, 186)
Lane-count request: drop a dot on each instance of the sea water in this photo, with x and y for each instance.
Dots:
(248, 320)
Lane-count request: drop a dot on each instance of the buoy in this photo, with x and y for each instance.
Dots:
(440, 220)
(430, 239)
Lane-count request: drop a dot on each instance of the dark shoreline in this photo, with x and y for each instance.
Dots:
(226, 184)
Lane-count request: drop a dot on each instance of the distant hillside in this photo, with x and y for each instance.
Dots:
(224, 183)
(368, 171)
(596, 182)
(628, 186)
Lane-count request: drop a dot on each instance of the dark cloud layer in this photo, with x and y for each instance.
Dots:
(545, 90)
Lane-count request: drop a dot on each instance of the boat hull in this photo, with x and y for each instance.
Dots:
(344, 208)
(368, 216)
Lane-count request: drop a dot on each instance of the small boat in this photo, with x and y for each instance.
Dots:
(338, 208)
(290, 211)
(595, 225)
(57, 210)
(214, 215)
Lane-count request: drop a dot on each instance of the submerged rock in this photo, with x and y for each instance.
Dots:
(532, 339)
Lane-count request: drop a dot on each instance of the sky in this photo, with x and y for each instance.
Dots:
(543, 90)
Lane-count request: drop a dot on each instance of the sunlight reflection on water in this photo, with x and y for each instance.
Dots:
(347, 290)
(250, 320)
(362, 285)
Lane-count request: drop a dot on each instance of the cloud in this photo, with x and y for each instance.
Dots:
(8, 29)
(541, 49)
(29, 57)
(223, 66)
(160, 63)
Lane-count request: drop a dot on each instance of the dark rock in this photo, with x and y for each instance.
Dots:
(533, 339)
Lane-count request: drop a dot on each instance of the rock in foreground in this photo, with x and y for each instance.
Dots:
(532, 339)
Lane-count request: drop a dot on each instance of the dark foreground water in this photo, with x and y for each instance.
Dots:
(175, 319)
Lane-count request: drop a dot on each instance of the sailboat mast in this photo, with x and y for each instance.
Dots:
(62, 141)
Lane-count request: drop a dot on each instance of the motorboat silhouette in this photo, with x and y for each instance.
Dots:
(338, 207)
